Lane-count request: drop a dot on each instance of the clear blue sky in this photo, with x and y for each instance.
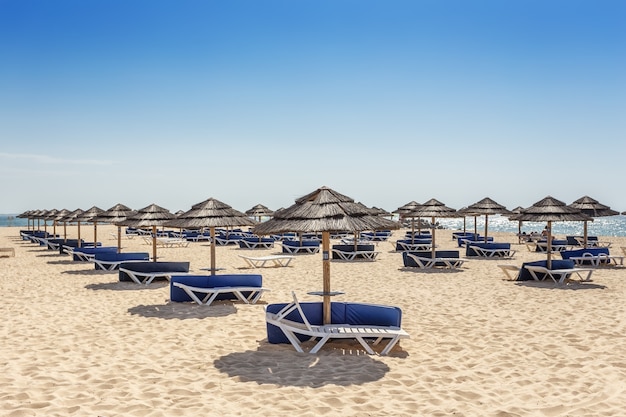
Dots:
(263, 101)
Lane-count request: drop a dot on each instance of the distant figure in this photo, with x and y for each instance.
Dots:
(544, 233)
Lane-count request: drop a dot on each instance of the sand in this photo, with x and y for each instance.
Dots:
(76, 342)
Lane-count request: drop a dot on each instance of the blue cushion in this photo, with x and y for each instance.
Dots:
(115, 257)
(566, 254)
(410, 262)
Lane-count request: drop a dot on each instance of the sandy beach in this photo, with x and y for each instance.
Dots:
(77, 342)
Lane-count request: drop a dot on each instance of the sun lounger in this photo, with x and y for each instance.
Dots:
(594, 257)
(424, 259)
(146, 272)
(260, 261)
(489, 250)
(110, 261)
(256, 243)
(298, 322)
(413, 245)
(86, 254)
(560, 272)
(354, 253)
(204, 289)
(301, 246)
(542, 246)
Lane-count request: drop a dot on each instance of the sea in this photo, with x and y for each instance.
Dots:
(601, 226)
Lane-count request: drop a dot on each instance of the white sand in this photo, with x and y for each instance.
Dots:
(75, 341)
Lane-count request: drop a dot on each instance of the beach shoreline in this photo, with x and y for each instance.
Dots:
(78, 342)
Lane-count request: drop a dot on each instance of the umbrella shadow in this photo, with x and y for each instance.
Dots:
(183, 311)
(63, 262)
(431, 270)
(572, 285)
(280, 365)
(91, 271)
(125, 286)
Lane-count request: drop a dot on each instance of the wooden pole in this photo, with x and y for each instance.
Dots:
(95, 233)
(326, 277)
(78, 223)
(549, 245)
(212, 250)
(432, 225)
(119, 239)
(585, 235)
(486, 221)
(154, 243)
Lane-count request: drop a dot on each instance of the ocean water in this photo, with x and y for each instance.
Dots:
(602, 226)
(9, 220)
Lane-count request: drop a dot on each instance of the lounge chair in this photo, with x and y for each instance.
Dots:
(595, 257)
(86, 254)
(301, 246)
(110, 261)
(354, 253)
(489, 250)
(423, 259)
(561, 271)
(146, 272)
(204, 289)
(297, 322)
(256, 243)
(260, 261)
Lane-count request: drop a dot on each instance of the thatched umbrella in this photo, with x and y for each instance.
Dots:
(591, 208)
(51, 215)
(550, 210)
(149, 216)
(91, 216)
(116, 214)
(73, 216)
(61, 214)
(404, 212)
(433, 208)
(514, 216)
(211, 213)
(25, 215)
(486, 206)
(324, 210)
(259, 211)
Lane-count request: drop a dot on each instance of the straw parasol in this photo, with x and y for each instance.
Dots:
(116, 214)
(51, 215)
(324, 210)
(73, 216)
(549, 210)
(149, 216)
(514, 216)
(90, 216)
(433, 208)
(211, 213)
(404, 212)
(486, 206)
(591, 208)
(259, 211)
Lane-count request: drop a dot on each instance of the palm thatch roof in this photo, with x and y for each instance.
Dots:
(91, 214)
(484, 206)
(116, 214)
(61, 214)
(432, 208)
(73, 216)
(551, 209)
(210, 213)
(592, 208)
(259, 210)
(324, 210)
(152, 215)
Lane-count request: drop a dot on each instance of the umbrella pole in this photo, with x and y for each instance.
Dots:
(432, 225)
(119, 239)
(475, 228)
(154, 243)
(519, 231)
(412, 230)
(585, 235)
(326, 276)
(65, 232)
(486, 221)
(464, 224)
(95, 233)
(54, 227)
(212, 250)
(549, 245)
(79, 245)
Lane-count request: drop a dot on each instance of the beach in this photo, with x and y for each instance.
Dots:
(77, 342)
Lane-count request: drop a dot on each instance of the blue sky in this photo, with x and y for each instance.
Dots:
(173, 102)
